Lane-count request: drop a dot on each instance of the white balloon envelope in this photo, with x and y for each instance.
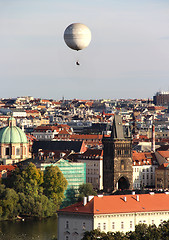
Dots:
(77, 36)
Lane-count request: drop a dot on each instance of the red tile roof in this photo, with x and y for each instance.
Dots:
(116, 204)
(156, 108)
(63, 132)
(45, 128)
(93, 153)
(7, 167)
(164, 154)
(32, 111)
(144, 158)
(65, 126)
(86, 136)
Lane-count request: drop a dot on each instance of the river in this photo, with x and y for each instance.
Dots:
(45, 229)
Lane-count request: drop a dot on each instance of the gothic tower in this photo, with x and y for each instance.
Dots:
(117, 159)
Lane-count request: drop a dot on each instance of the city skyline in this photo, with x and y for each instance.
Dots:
(127, 57)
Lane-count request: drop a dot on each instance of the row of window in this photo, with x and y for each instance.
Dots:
(139, 169)
(92, 164)
(17, 151)
(123, 152)
(92, 171)
(113, 226)
(92, 180)
(144, 176)
(75, 225)
(43, 136)
(122, 225)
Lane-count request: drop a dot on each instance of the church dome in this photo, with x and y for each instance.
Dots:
(12, 133)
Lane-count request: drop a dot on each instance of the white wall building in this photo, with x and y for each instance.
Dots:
(45, 132)
(144, 165)
(112, 213)
(94, 167)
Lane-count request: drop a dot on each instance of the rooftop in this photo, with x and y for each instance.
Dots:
(121, 204)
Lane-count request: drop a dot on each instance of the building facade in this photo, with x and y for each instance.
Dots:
(161, 98)
(117, 159)
(144, 167)
(111, 214)
(93, 158)
(162, 176)
(75, 173)
(13, 143)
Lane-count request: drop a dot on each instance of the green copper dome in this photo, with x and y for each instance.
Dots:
(12, 134)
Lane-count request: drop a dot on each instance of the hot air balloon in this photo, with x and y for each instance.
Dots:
(77, 36)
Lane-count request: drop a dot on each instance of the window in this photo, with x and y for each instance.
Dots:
(131, 224)
(152, 222)
(122, 225)
(104, 226)
(17, 151)
(7, 151)
(84, 225)
(113, 225)
(126, 152)
(123, 167)
(67, 225)
(98, 227)
(118, 152)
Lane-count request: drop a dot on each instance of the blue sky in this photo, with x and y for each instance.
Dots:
(128, 56)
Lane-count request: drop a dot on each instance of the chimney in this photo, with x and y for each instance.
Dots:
(153, 138)
(125, 199)
(137, 198)
(90, 198)
(84, 201)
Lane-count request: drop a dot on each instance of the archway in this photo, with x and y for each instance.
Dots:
(123, 183)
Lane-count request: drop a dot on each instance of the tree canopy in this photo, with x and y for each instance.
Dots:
(29, 191)
(142, 232)
(54, 184)
(86, 190)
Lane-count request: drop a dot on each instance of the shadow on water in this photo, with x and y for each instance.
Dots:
(45, 229)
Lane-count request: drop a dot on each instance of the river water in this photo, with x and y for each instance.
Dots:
(45, 229)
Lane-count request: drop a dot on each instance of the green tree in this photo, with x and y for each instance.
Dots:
(85, 190)
(153, 233)
(33, 178)
(30, 193)
(92, 235)
(27, 180)
(164, 230)
(54, 184)
(15, 180)
(9, 204)
(70, 197)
